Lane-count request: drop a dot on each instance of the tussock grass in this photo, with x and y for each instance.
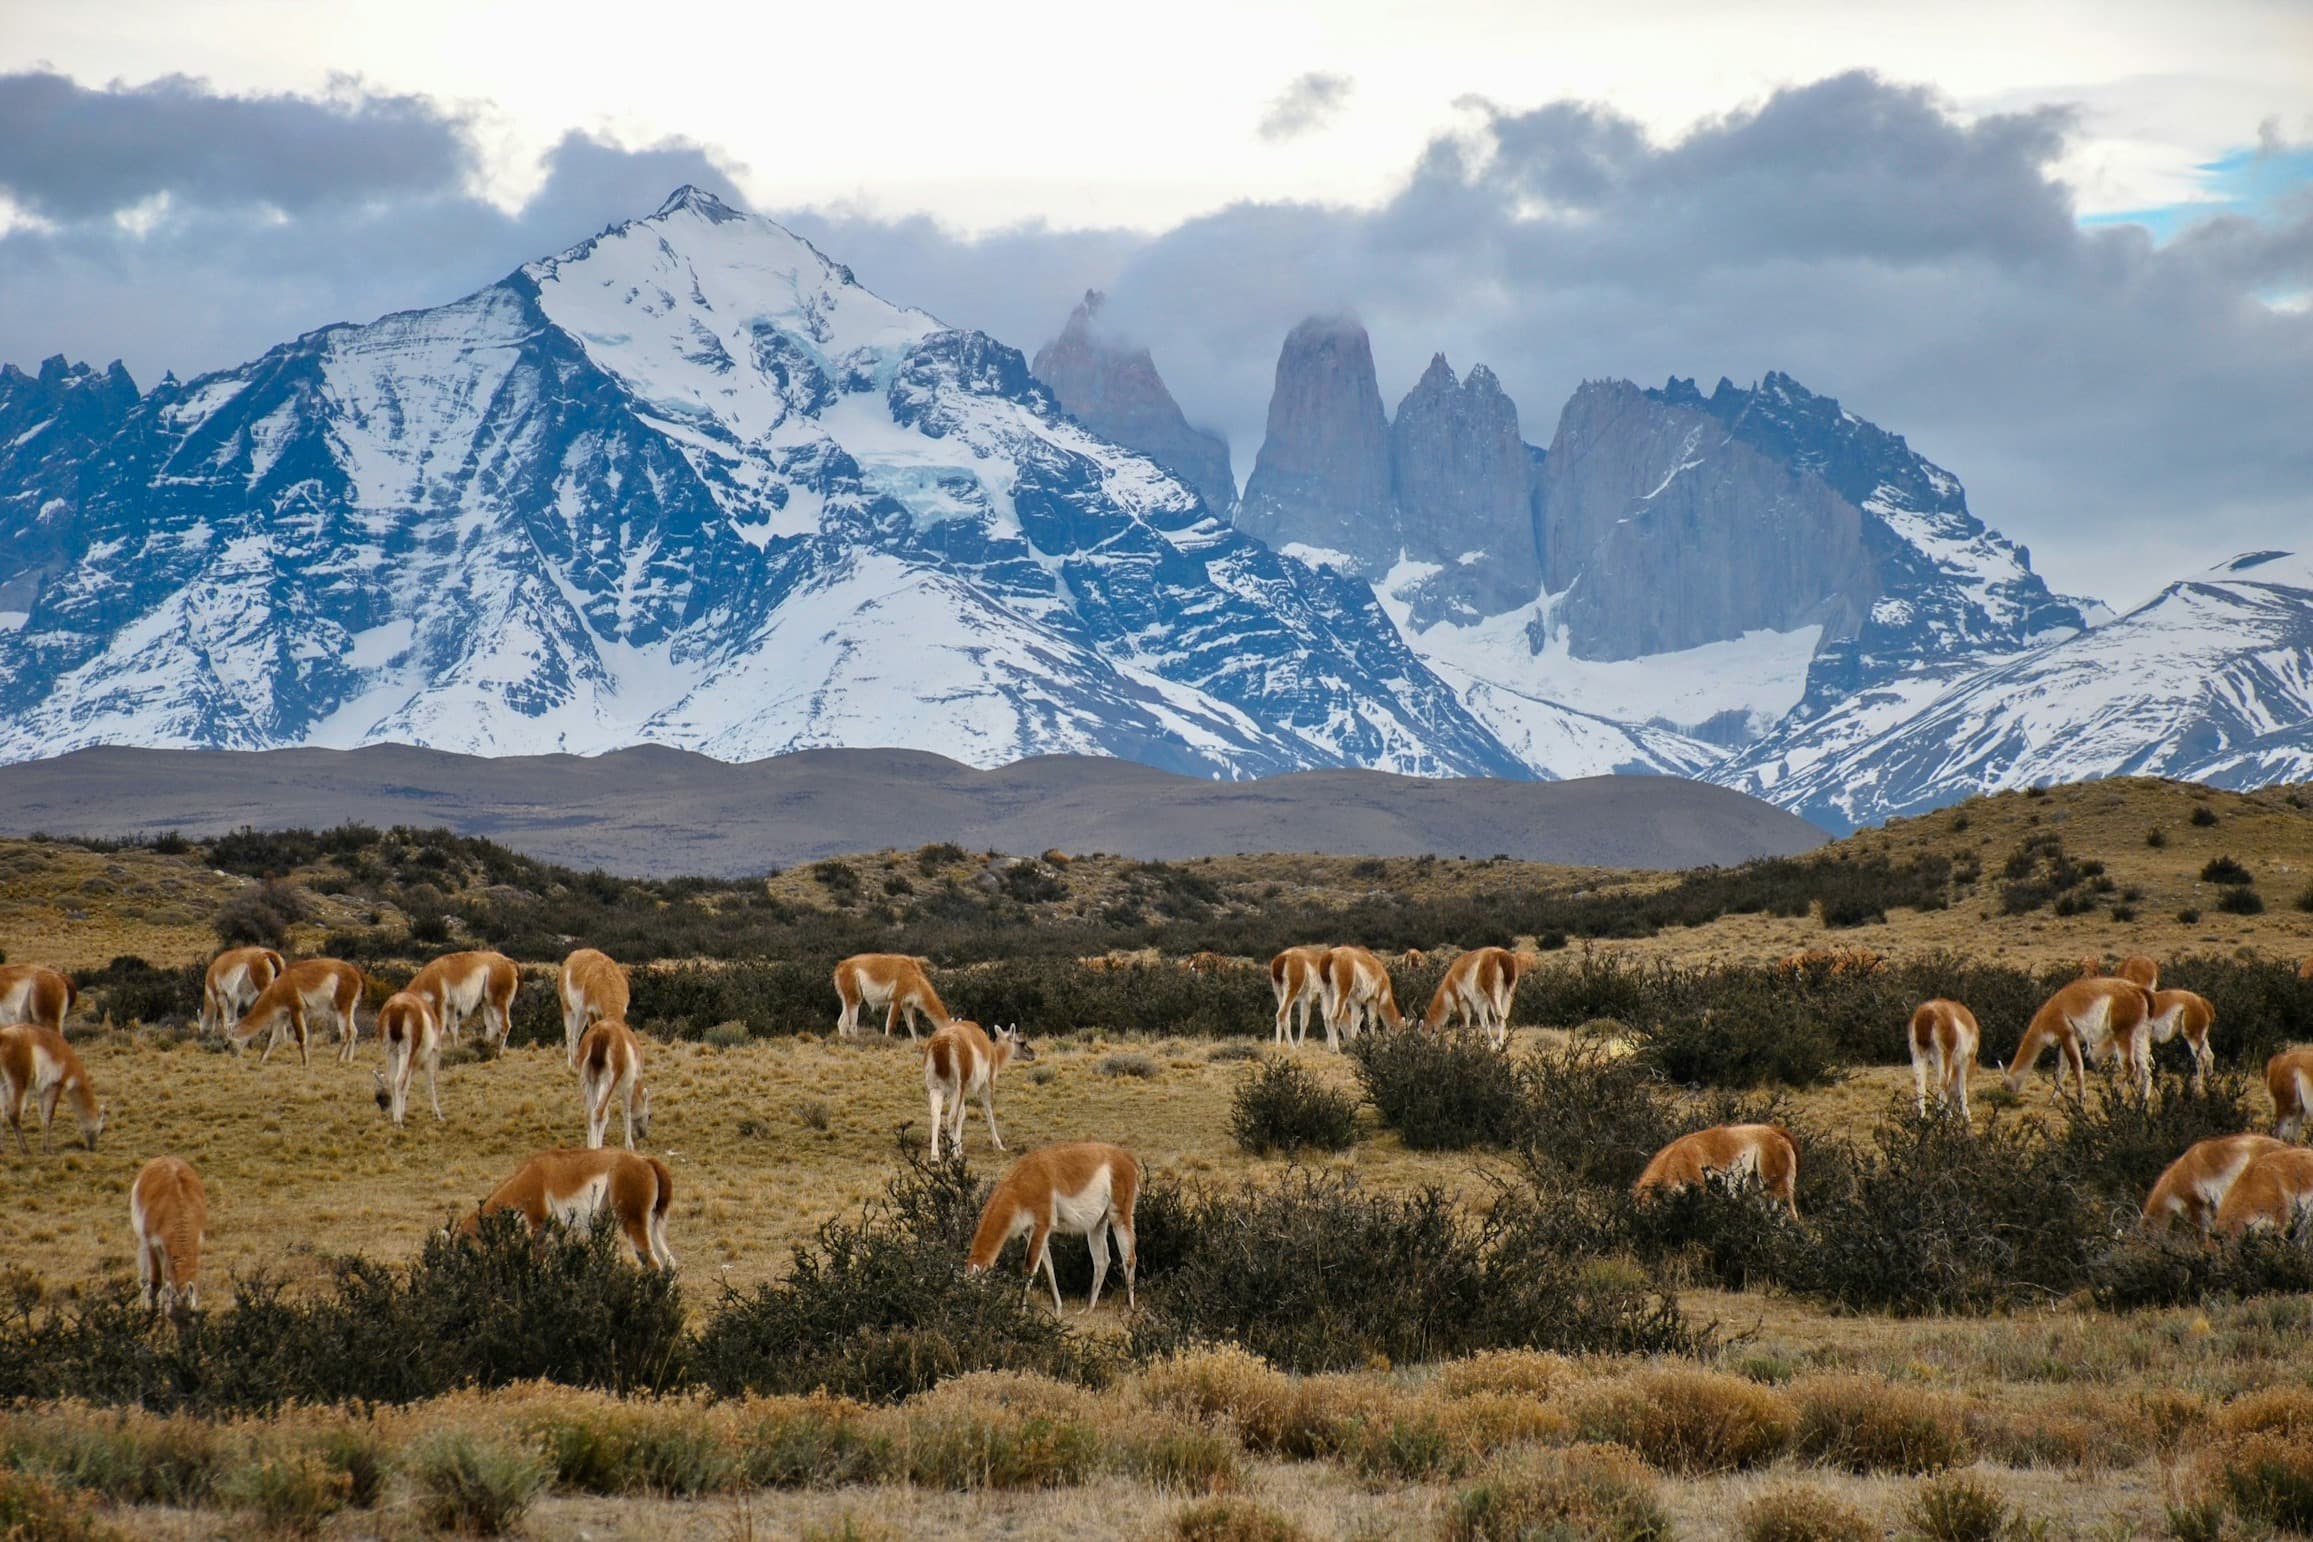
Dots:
(1798, 1513)
(1866, 1425)
(1600, 1492)
(1688, 1421)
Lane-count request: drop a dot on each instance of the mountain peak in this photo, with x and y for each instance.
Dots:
(696, 200)
(1113, 388)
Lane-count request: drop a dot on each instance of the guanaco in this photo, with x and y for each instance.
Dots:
(573, 1187)
(2194, 1186)
(2089, 1019)
(413, 1036)
(889, 982)
(1297, 976)
(458, 985)
(283, 1010)
(2275, 1189)
(1082, 1188)
(37, 995)
(1944, 1039)
(610, 1064)
(1357, 993)
(1765, 1152)
(961, 1060)
(1477, 988)
(2289, 1078)
(593, 988)
(2182, 1013)
(236, 978)
(35, 1062)
(169, 1213)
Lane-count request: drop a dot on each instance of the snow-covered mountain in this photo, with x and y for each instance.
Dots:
(687, 483)
(2211, 680)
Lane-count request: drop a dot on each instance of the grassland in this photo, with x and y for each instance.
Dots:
(769, 1138)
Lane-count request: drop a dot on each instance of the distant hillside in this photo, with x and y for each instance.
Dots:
(662, 812)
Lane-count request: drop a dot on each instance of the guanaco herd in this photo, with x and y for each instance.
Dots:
(2221, 1186)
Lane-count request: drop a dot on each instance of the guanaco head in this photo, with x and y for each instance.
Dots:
(1021, 1051)
(385, 1098)
(91, 1129)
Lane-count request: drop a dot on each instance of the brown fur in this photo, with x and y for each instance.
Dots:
(1357, 991)
(412, 1036)
(1818, 962)
(2182, 1014)
(1297, 976)
(575, 1186)
(2305, 970)
(1944, 1040)
(2289, 1078)
(2194, 1186)
(960, 1060)
(235, 979)
(1762, 1151)
(890, 980)
(457, 985)
(1208, 962)
(169, 1215)
(2273, 1190)
(37, 995)
(35, 1062)
(593, 989)
(283, 1008)
(610, 1065)
(1058, 1189)
(1478, 988)
(2137, 969)
(2089, 1019)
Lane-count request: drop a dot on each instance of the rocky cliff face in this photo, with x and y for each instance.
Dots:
(1322, 478)
(1114, 389)
(1463, 482)
(1667, 531)
(49, 422)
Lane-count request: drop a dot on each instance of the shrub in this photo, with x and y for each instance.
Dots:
(1134, 1065)
(2241, 902)
(2156, 837)
(999, 1431)
(2304, 899)
(1316, 1274)
(1958, 1508)
(1688, 1421)
(1729, 1233)
(1176, 1454)
(1870, 1426)
(289, 1493)
(2224, 870)
(1796, 1513)
(39, 1512)
(261, 917)
(1734, 1028)
(469, 1483)
(1597, 1492)
(1282, 1107)
(2203, 816)
(619, 1449)
(1441, 1091)
(2189, 915)
(810, 1442)
(1231, 1519)
(1594, 1114)
(134, 991)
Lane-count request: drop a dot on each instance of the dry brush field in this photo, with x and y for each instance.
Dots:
(1792, 1415)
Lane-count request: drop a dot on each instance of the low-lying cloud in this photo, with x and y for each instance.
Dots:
(2129, 408)
(1304, 106)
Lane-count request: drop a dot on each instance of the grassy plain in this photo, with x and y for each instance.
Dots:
(767, 1139)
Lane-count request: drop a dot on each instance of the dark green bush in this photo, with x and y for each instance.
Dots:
(1316, 1274)
(1441, 1091)
(2225, 870)
(2203, 816)
(1593, 1113)
(2241, 902)
(130, 990)
(1281, 1107)
(261, 917)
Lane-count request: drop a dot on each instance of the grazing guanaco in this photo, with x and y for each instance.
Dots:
(35, 1062)
(1082, 1188)
(2193, 1186)
(1297, 976)
(1357, 994)
(961, 1060)
(412, 1035)
(1735, 1152)
(2086, 1020)
(2137, 969)
(1944, 1039)
(284, 1009)
(169, 1212)
(236, 978)
(610, 1064)
(35, 994)
(892, 983)
(2305, 970)
(457, 985)
(1207, 962)
(573, 1187)
(2275, 1189)
(1477, 989)
(2289, 1078)
(593, 989)
(2182, 1013)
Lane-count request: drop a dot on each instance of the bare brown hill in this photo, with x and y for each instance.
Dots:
(663, 812)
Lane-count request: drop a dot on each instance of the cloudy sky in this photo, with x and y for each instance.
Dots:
(2067, 248)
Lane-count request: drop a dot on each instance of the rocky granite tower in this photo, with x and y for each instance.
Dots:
(1323, 476)
(1114, 389)
(1463, 482)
